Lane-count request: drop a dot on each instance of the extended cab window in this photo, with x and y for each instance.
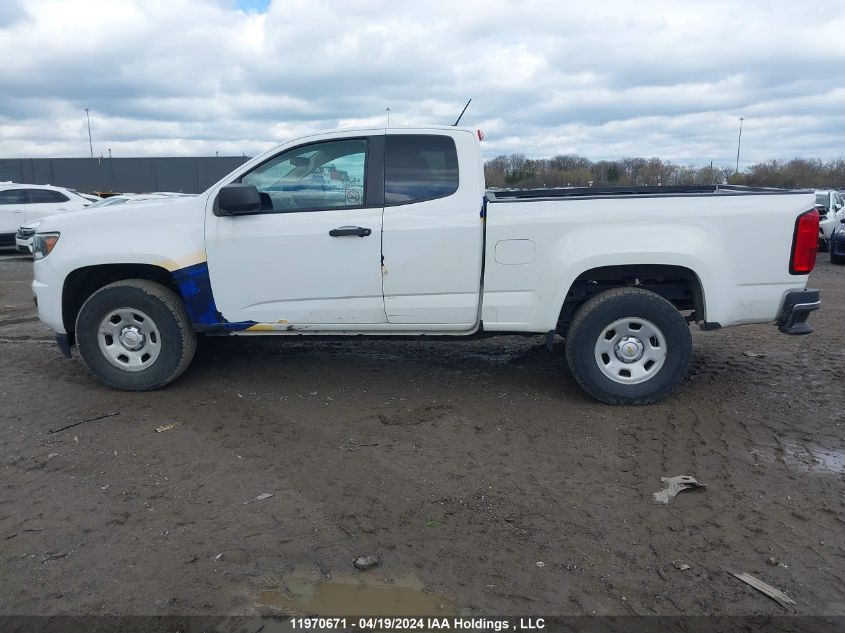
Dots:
(419, 167)
(326, 175)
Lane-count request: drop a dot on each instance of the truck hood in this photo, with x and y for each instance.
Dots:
(154, 214)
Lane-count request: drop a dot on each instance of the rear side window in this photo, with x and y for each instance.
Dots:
(12, 196)
(419, 167)
(823, 199)
(42, 196)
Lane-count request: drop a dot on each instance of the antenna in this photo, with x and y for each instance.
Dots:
(455, 124)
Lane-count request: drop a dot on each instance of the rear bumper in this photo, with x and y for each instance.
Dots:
(797, 305)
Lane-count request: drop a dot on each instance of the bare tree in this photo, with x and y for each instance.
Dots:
(570, 170)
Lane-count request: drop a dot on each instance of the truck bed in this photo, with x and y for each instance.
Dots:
(635, 192)
(735, 241)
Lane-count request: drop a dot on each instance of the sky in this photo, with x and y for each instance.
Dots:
(604, 79)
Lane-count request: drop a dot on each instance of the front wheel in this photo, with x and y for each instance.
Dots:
(135, 335)
(628, 346)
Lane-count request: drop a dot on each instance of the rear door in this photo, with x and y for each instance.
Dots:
(433, 231)
(12, 204)
(43, 203)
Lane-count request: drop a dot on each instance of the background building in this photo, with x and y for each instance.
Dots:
(125, 175)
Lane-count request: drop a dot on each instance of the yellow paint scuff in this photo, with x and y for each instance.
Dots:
(183, 261)
(268, 327)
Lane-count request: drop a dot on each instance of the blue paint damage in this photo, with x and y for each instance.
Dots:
(195, 288)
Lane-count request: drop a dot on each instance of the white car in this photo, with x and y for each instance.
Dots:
(23, 238)
(132, 198)
(832, 200)
(831, 213)
(390, 232)
(22, 204)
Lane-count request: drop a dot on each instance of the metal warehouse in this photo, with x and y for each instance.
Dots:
(130, 175)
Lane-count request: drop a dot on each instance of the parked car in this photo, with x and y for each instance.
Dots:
(21, 204)
(88, 196)
(134, 198)
(24, 236)
(831, 200)
(424, 252)
(830, 206)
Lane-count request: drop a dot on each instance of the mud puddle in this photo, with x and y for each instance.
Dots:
(310, 593)
(817, 458)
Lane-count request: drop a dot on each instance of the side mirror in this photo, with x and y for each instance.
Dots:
(238, 199)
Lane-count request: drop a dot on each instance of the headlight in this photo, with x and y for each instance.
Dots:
(43, 244)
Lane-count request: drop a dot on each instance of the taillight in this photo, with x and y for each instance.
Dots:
(805, 243)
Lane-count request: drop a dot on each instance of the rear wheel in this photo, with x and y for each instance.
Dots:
(836, 259)
(628, 346)
(135, 335)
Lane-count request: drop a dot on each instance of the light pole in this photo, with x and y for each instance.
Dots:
(388, 117)
(738, 143)
(90, 142)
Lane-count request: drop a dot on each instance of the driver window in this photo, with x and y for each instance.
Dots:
(326, 175)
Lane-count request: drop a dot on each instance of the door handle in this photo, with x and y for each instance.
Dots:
(343, 231)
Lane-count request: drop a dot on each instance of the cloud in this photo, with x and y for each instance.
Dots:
(606, 80)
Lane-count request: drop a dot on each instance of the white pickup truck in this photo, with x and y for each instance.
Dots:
(379, 232)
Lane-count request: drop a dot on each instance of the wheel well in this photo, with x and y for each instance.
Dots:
(676, 284)
(83, 282)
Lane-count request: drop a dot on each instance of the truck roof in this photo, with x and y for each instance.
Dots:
(382, 128)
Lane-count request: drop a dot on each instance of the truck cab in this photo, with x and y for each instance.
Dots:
(393, 241)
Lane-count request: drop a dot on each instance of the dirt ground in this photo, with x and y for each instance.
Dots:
(478, 472)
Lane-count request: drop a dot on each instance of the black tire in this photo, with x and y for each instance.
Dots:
(161, 309)
(824, 246)
(597, 315)
(834, 258)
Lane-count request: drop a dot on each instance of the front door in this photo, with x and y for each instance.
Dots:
(312, 255)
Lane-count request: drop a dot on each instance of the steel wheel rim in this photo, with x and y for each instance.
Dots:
(129, 339)
(630, 350)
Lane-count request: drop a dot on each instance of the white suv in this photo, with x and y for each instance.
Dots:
(22, 204)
